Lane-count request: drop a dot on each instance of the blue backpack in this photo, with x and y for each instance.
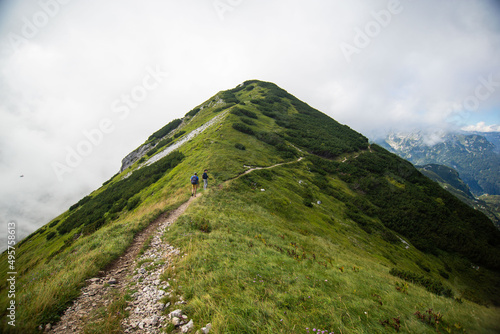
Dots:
(194, 179)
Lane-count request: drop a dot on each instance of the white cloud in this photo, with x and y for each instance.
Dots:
(482, 127)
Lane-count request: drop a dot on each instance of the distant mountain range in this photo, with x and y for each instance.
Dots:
(475, 156)
(467, 164)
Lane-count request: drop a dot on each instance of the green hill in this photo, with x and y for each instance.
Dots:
(331, 234)
(449, 179)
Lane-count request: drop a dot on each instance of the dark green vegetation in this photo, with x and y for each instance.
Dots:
(193, 112)
(166, 129)
(431, 285)
(106, 204)
(446, 176)
(449, 179)
(411, 204)
(331, 233)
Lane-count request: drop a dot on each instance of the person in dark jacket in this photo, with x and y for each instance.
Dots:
(205, 179)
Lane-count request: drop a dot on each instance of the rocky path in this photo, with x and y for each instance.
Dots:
(137, 273)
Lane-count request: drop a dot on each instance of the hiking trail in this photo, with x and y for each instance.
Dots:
(145, 308)
(250, 168)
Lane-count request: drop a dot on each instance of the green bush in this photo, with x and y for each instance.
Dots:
(178, 134)
(389, 236)
(243, 128)
(243, 112)
(164, 142)
(286, 151)
(229, 97)
(152, 151)
(133, 202)
(50, 235)
(193, 112)
(108, 181)
(269, 138)
(247, 121)
(270, 114)
(308, 199)
(118, 206)
(219, 109)
(430, 284)
(444, 274)
(80, 203)
(54, 223)
(166, 129)
(240, 146)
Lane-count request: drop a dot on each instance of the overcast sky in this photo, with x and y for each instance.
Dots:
(99, 77)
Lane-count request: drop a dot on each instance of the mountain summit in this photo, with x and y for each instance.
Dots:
(304, 227)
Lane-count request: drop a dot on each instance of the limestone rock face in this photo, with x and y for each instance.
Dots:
(134, 156)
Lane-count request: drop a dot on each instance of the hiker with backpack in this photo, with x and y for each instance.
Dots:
(205, 179)
(194, 182)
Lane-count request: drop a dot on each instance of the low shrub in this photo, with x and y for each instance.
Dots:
(243, 128)
(219, 109)
(193, 112)
(54, 223)
(133, 202)
(247, 121)
(50, 235)
(244, 112)
(80, 203)
(240, 146)
(166, 129)
(269, 138)
(430, 284)
(178, 134)
(444, 274)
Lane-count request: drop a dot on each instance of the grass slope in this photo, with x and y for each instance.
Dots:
(263, 262)
(275, 260)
